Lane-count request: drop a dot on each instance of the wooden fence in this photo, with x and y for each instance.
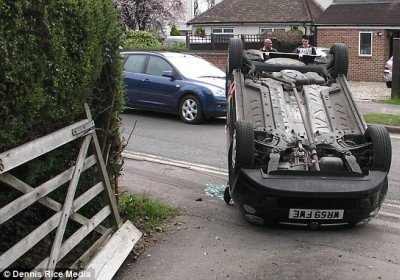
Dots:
(215, 42)
(107, 261)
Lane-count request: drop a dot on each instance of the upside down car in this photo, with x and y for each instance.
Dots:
(299, 151)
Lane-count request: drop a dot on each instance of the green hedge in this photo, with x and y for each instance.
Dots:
(55, 56)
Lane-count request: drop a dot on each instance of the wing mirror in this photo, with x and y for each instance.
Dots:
(168, 74)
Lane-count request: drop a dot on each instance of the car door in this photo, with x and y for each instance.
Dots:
(134, 67)
(160, 91)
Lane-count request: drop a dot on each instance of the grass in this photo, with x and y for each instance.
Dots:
(146, 214)
(390, 101)
(385, 119)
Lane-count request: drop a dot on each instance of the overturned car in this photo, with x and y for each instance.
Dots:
(299, 151)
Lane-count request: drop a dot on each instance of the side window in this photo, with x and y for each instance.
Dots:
(156, 66)
(365, 44)
(135, 63)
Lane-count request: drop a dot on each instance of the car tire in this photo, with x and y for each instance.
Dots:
(340, 55)
(381, 150)
(190, 110)
(242, 151)
(389, 84)
(235, 54)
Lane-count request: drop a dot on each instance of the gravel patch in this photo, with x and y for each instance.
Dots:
(369, 91)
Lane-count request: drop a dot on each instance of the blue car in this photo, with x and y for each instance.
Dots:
(175, 83)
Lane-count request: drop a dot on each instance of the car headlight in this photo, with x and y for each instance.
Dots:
(216, 91)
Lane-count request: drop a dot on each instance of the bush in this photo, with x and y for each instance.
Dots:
(201, 32)
(140, 40)
(174, 31)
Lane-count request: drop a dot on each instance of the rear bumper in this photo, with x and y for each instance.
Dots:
(387, 77)
(270, 197)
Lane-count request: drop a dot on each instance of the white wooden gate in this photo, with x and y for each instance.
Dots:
(13, 158)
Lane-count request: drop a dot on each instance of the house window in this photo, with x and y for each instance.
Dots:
(222, 35)
(222, 31)
(270, 29)
(365, 44)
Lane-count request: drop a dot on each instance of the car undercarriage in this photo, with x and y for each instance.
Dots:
(299, 151)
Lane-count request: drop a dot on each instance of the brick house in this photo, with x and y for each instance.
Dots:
(367, 28)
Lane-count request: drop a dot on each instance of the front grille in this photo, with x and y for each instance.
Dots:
(318, 203)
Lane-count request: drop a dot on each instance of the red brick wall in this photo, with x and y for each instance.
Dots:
(361, 68)
(218, 59)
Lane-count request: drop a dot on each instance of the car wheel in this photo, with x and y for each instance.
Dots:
(235, 54)
(380, 153)
(190, 110)
(340, 60)
(389, 84)
(242, 147)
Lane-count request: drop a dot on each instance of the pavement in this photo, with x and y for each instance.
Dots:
(369, 107)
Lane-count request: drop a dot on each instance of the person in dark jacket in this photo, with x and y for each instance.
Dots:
(305, 48)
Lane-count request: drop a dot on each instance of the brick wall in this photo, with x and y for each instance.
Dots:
(361, 68)
(218, 59)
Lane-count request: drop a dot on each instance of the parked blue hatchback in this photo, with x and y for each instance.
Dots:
(175, 83)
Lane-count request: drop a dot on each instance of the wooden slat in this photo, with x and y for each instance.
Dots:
(91, 252)
(107, 262)
(56, 206)
(45, 228)
(24, 153)
(33, 194)
(29, 241)
(78, 236)
(106, 179)
(55, 250)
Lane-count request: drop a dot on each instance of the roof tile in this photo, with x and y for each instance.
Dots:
(383, 14)
(259, 11)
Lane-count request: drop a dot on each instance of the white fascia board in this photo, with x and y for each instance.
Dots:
(357, 27)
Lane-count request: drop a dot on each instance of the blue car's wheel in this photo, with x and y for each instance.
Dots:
(190, 110)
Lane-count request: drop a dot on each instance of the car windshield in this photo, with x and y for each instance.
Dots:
(194, 67)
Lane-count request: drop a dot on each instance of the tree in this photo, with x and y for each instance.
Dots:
(150, 15)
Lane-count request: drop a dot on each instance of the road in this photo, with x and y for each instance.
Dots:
(165, 136)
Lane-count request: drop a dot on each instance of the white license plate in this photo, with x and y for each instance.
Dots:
(316, 214)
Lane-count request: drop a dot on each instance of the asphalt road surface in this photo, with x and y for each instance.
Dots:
(166, 136)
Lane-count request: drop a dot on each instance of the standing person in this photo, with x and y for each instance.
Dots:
(305, 48)
(268, 46)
